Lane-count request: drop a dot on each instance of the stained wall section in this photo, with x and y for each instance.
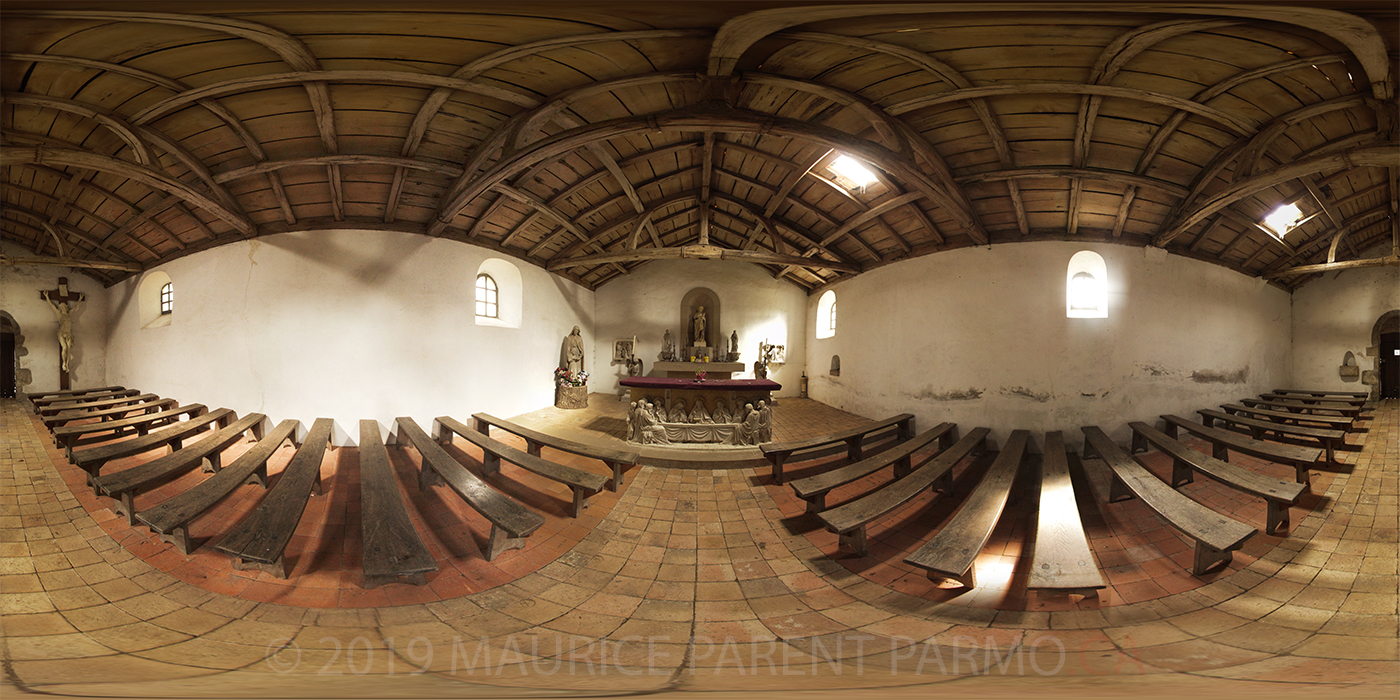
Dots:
(19, 296)
(1334, 315)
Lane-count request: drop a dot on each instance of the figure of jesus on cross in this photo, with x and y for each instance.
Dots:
(64, 303)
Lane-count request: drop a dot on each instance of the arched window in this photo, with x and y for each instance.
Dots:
(167, 298)
(487, 297)
(826, 314)
(155, 300)
(1086, 286)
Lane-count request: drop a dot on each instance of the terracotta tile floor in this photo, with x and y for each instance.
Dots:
(692, 580)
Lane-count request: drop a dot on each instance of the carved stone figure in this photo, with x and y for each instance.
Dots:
(698, 414)
(677, 413)
(765, 422)
(64, 312)
(748, 430)
(698, 320)
(734, 346)
(634, 424)
(652, 432)
(668, 348)
(573, 351)
(721, 414)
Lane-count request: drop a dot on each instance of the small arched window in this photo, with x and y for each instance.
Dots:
(487, 297)
(826, 314)
(167, 298)
(155, 300)
(1086, 286)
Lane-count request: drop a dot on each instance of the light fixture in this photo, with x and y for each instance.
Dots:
(851, 172)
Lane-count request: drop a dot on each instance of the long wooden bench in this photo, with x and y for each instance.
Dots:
(1310, 398)
(814, 489)
(103, 409)
(1313, 392)
(1334, 422)
(583, 484)
(778, 453)
(260, 540)
(952, 552)
(171, 518)
(617, 460)
(1062, 559)
(511, 522)
(1300, 458)
(848, 520)
(70, 392)
(1278, 494)
(123, 486)
(79, 403)
(91, 459)
(1327, 439)
(65, 435)
(1300, 407)
(1217, 536)
(393, 551)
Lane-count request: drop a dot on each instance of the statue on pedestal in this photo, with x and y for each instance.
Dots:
(734, 346)
(668, 348)
(573, 351)
(698, 340)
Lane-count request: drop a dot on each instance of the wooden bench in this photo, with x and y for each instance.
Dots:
(391, 546)
(1328, 439)
(1332, 402)
(1300, 407)
(1221, 440)
(848, 520)
(778, 453)
(1062, 558)
(260, 540)
(1278, 494)
(582, 483)
(1217, 536)
(123, 486)
(101, 409)
(952, 552)
(1334, 422)
(171, 518)
(66, 436)
(617, 460)
(91, 459)
(70, 392)
(47, 407)
(511, 522)
(814, 489)
(1311, 392)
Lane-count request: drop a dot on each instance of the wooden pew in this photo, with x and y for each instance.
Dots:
(46, 407)
(1062, 558)
(125, 484)
(511, 522)
(1221, 440)
(260, 540)
(91, 459)
(103, 409)
(848, 520)
(1278, 494)
(951, 553)
(1327, 402)
(1311, 392)
(70, 392)
(1216, 535)
(1328, 439)
(66, 435)
(617, 460)
(392, 548)
(813, 489)
(1300, 407)
(582, 483)
(171, 518)
(1334, 422)
(778, 453)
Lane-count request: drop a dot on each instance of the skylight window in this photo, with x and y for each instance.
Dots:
(1283, 219)
(851, 172)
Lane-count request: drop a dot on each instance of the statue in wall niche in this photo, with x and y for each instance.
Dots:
(64, 312)
(698, 340)
(734, 346)
(765, 422)
(573, 351)
(668, 348)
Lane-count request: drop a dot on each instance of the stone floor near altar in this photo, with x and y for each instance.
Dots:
(694, 580)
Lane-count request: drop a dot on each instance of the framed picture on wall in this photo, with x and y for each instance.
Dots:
(623, 349)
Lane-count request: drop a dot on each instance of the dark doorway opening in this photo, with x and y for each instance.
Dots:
(7, 365)
(1390, 365)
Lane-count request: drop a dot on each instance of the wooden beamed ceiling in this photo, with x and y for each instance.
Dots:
(589, 140)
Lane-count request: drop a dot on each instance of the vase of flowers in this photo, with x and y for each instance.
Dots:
(700, 376)
(570, 388)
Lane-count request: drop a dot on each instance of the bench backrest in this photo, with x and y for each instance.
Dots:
(499, 508)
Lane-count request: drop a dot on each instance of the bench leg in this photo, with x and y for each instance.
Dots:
(1276, 516)
(1220, 452)
(944, 483)
(580, 499)
(1182, 473)
(209, 465)
(949, 439)
(317, 488)
(180, 538)
(1208, 557)
(122, 505)
(968, 579)
(903, 466)
(259, 476)
(777, 459)
(490, 465)
(906, 429)
(1171, 430)
(1327, 445)
(816, 503)
(1117, 490)
(277, 568)
(855, 539)
(1301, 475)
(853, 449)
(615, 483)
(372, 582)
(501, 541)
(1089, 452)
(532, 448)
(1139, 444)
(427, 477)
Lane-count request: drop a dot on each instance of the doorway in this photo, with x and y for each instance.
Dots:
(9, 360)
(1389, 362)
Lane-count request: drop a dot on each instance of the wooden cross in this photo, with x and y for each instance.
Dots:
(56, 296)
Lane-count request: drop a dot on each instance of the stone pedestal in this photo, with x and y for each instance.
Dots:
(570, 396)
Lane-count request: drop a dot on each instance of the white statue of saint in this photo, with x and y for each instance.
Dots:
(573, 351)
(64, 312)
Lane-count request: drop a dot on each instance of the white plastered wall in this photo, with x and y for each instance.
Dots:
(345, 325)
(1335, 314)
(647, 302)
(19, 297)
(978, 336)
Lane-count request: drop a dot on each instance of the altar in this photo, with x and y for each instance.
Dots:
(687, 370)
(714, 412)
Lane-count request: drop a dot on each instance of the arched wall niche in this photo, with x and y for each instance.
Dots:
(21, 377)
(826, 305)
(715, 336)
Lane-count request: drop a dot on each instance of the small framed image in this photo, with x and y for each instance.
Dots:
(623, 349)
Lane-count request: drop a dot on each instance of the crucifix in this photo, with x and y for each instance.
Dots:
(64, 303)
